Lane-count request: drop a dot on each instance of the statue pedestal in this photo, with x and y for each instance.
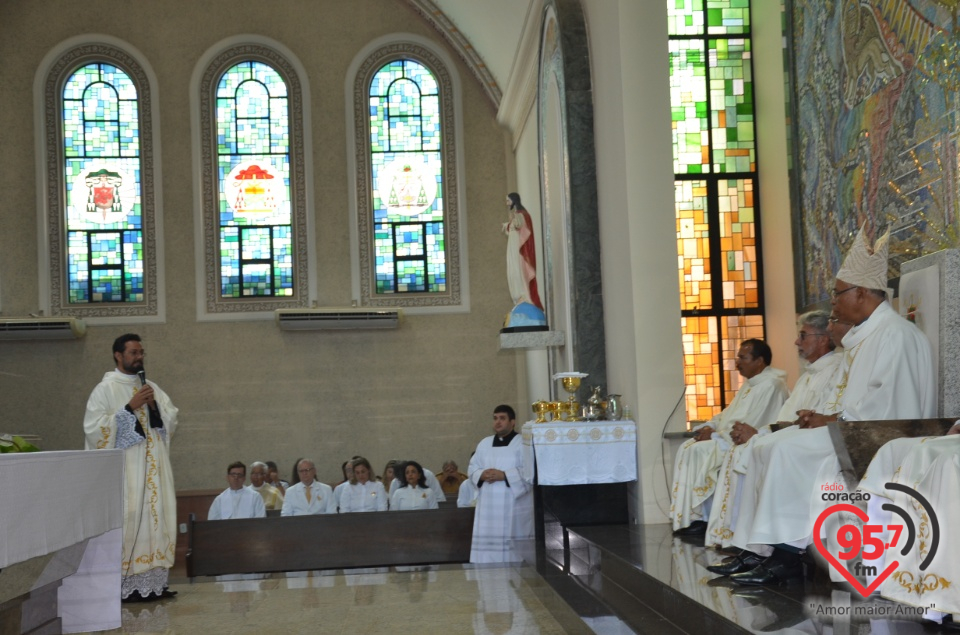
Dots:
(532, 339)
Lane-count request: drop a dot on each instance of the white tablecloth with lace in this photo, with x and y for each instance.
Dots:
(580, 452)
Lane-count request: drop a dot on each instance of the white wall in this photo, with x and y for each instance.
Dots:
(628, 46)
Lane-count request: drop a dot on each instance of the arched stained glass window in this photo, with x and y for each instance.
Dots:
(407, 191)
(253, 168)
(100, 207)
(407, 179)
(101, 148)
(255, 203)
(717, 206)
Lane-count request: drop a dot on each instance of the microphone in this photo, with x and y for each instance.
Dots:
(142, 374)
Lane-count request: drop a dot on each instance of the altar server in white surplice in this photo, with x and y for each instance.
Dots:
(815, 347)
(505, 502)
(360, 494)
(698, 460)
(127, 412)
(886, 373)
(309, 496)
(237, 501)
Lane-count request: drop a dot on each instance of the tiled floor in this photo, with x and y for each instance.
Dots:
(446, 599)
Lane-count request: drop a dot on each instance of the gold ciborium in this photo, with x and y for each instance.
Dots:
(570, 383)
(541, 408)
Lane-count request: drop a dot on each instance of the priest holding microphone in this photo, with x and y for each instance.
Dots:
(127, 412)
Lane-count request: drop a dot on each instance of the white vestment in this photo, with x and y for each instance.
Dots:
(413, 498)
(697, 462)
(886, 373)
(237, 503)
(811, 391)
(149, 496)
(321, 500)
(467, 495)
(938, 584)
(363, 497)
(504, 508)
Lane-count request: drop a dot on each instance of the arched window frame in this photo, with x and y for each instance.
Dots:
(456, 299)
(53, 71)
(206, 76)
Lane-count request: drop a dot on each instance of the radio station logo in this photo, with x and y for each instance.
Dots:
(868, 545)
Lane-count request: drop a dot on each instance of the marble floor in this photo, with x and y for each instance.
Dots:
(438, 599)
(672, 565)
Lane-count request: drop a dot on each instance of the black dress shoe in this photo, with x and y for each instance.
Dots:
(167, 593)
(696, 528)
(771, 573)
(737, 564)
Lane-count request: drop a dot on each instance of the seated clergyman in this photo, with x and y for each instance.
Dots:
(272, 497)
(698, 460)
(237, 501)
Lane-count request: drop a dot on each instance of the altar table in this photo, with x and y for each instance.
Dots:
(580, 452)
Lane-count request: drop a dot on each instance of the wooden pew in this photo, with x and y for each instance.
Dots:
(334, 541)
(857, 441)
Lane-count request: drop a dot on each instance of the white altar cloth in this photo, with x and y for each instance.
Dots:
(580, 452)
(57, 503)
(51, 500)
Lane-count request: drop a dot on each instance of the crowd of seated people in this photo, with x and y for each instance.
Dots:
(404, 484)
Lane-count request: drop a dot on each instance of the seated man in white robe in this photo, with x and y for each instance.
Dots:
(272, 497)
(933, 470)
(886, 374)
(237, 501)
(309, 496)
(698, 460)
(815, 347)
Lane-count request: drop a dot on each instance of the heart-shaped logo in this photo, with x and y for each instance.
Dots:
(836, 564)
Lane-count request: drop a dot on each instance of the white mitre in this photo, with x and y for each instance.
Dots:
(865, 267)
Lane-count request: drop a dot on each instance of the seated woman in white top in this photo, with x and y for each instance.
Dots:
(413, 493)
(361, 494)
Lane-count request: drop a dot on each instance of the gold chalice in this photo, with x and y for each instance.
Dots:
(571, 383)
(541, 408)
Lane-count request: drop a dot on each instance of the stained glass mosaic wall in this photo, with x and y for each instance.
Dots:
(714, 156)
(253, 162)
(104, 215)
(407, 178)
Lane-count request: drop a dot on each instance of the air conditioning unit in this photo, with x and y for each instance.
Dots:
(31, 328)
(337, 319)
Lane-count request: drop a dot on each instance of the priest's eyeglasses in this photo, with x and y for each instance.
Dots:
(836, 294)
(804, 335)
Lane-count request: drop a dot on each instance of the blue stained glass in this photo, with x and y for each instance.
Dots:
(101, 171)
(253, 165)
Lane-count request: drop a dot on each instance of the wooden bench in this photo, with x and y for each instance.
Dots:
(333, 541)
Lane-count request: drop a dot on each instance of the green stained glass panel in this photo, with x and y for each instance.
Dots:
(685, 17)
(731, 104)
(728, 17)
(688, 103)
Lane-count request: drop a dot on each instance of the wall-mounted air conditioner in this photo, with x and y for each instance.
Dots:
(337, 319)
(31, 328)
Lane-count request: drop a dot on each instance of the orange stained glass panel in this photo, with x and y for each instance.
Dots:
(736, 329)
(738, 244)
(693, 248)
(701, 367)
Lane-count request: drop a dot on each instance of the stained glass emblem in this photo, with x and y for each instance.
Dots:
(407, 188)
(254, 189)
